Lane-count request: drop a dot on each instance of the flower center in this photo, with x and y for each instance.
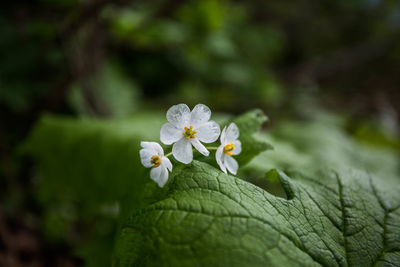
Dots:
(229, 148)
(189, 132)
(156, 160)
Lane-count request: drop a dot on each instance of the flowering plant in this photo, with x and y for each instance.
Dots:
(186, 129)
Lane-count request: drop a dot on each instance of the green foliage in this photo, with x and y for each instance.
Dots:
(90, 174)
(249, 124)
(322, 142)
(113, 58)
(208, 45)
(95, 189)
(23, 63)
(207, 218)
(110, 90)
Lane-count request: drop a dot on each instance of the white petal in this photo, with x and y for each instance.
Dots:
(223, 137)
(145, 157)
(200, 114)
(179, 115)
(158, 148)
(238, 147)
(166, 163)
(199, 146)
(182, 151)
(232, 133)
(231, 164)
(146, 145)
(208, 132)
(163, 177)
(153, 146)
(155, 173)
(219, 158)
(170, 134)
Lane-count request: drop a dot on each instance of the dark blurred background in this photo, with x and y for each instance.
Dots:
(114, 59)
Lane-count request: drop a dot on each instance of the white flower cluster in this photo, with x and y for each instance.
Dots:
(185, 129)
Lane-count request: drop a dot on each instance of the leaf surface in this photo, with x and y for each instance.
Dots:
(207, 218)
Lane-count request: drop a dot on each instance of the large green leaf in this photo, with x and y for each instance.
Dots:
(322, 142)
(90, 175)
(89, 172)
(206, 218)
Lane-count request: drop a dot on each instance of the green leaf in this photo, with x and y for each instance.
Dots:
(249, 124)
(103, 155)
(322, 142)
(207, 218)
(89, 173)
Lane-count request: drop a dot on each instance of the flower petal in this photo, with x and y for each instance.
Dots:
(219, 158)
(153, 146)
(146, 145)
(200, 114)
(170, 134)
(145, 157)
(182, 151)
(238, 147)
(223, 136)
(155, 173)
(208, 132)
(166, 163)
(232, 133)
(158, 149)
(179, 115)
(199, 146)
(231, 164)
(163, 177)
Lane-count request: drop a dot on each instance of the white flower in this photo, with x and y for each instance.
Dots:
(230, 145)
(152, 156)
(186, 128)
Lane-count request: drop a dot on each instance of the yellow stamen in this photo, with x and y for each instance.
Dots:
(229, 148)
(156, 160)
(189, 132)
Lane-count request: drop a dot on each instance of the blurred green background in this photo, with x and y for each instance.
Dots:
(325, 72)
